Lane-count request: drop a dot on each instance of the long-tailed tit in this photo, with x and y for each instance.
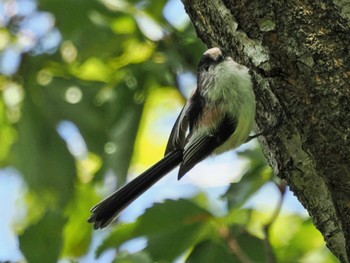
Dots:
(218, 117)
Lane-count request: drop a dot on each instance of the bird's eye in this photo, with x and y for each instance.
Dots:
(220, 58)
(205, 63)
(206, 67)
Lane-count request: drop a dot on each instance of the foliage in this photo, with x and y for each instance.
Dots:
(100, 81)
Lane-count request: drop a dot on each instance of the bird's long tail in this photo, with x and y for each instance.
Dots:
(105, 211)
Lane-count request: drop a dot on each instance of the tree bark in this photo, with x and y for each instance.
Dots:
(299, 56)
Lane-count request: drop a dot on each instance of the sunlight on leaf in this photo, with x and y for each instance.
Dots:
(137, 52)
(5, 38)
(93, 69)
(304, 238)
(7, 133)
(280, 235)
(123, 25)
(160, 102)
(88, 167)
(77, 232)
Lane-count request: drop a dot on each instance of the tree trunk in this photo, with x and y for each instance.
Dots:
(299, 55)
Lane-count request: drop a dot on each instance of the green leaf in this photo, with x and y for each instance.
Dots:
(254, 178)
(155, 10)
(76, 12)
(43, 242)
(91, 118)
(77, 232)
(53, 173)
(107, 118)
(139, 257)
(7, 134)
(235, 246)
(210, 251)
(124, 25)
(173, 227)
(120, 234)
(305, 240)
(123, 133)
(251, 246)
(93, 69)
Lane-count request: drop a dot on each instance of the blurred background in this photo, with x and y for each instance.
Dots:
(89, 93)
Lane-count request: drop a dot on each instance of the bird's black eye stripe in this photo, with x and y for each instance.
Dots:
(220, 59)
(207, 60)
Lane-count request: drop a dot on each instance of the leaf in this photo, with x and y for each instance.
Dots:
(90, 118)
(108, 125)
(254, 178)
(124, 25)
(42, 156)
(77, 232)
(43, 242)
(305, 239)
(235, 246)
(7, 134)
(123, 133)
(139, 257)
(73, 11)
(251, 246)
(93, 69)
(173, 227)
(155, 10)
(210, 251)
(120, 234)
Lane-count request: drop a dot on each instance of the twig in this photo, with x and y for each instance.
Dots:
(271, 257)
(234, 246)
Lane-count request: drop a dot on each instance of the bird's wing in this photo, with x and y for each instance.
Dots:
(185, 122)
(178, 133)
(201, 145)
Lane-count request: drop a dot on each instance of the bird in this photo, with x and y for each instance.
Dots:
(217, 117)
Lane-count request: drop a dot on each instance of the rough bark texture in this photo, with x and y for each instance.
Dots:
(299, 55)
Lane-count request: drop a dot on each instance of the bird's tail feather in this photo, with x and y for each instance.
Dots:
(105, 211)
